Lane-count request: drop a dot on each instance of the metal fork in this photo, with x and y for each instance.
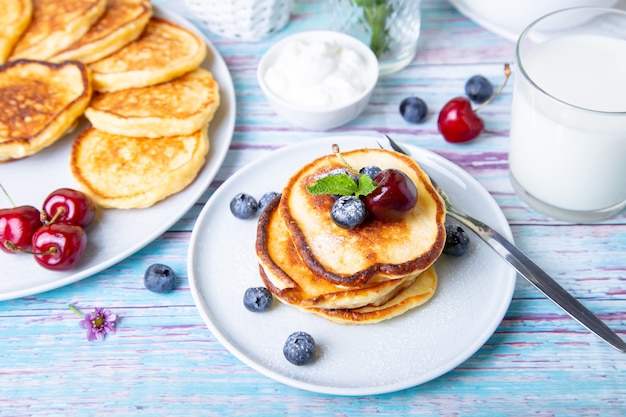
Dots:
(527, 268)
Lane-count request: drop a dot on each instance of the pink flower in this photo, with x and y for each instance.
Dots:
(98, 323)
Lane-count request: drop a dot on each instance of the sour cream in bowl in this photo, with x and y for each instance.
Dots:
(318, 80)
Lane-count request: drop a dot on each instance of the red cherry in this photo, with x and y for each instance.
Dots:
(66, 205)
(17, 226)
(59, 246)
(394, 196)
(458, 122)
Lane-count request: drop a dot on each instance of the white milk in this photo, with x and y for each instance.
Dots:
(562, 154)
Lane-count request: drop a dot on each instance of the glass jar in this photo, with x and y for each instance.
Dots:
(390, 27)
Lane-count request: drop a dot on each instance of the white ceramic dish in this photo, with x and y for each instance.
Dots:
(473, 295)
(509, 18)
(117, 233)
(327, 117)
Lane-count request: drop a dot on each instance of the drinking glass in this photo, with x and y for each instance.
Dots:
(390, 27)
(568, 117)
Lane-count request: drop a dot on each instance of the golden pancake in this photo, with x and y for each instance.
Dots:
(39, 102)
(289, 278)
(418, 293)
(16, 17)
(163, 52)
(55, 25)
(374, 249)
(125, 172)
(178, 107)
(122, 22)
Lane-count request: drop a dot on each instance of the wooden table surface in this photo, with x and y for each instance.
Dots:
(163, 360)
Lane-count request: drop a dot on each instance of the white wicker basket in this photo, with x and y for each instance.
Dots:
(248, 20)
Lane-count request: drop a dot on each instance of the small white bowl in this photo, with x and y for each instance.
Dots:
(317, 116)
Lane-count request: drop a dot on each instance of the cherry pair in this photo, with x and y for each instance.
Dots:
(55, 235)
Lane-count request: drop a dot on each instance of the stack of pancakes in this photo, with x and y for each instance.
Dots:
(374, 272)
(136, 78)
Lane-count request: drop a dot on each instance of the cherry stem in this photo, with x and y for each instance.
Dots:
(507, 74)
(58, 213)
(7, 195)
(13, 247)
(337, 153)
(44, 217)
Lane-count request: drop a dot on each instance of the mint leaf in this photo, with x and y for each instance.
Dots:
(341, 184)
(366, 186)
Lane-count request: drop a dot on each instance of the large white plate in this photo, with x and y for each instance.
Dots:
(117, 233)
(473, 295)
(508, 19)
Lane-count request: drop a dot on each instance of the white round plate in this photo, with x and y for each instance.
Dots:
(512, 24)
(117, 233)
(473, 293)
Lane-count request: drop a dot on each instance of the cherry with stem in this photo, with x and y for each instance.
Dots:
(458, 121)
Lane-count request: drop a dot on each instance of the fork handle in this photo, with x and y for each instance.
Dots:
(540, 279)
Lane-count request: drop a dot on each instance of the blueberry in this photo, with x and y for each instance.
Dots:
(266, 198)
(243, 206)
(159, 278)
(348, 212)
(478, 89)
(257, 299)
(457, 241)
(370, 170)
(299, 348)
(413, 109)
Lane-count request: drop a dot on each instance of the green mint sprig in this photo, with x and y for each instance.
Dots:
(376, 13)
(343, 184)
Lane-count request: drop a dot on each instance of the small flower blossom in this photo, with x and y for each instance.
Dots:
(98, 323)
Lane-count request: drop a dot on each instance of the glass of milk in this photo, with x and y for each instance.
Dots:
(568, 118)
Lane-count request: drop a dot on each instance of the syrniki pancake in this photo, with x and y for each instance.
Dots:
(39, 102)
(163, 52)
(289, 279)
(122, 23)
(55, 25)
(16, 15)
(374, 249)
(125, 172)
(419, 292)
(178, 107)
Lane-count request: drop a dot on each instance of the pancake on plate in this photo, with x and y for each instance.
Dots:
(374, 249)
(178, 107)
(55, 25)
(126, 172)
(16, 17)
(373, 272)
(163, 52)
(122, 22)
(292, 281)
(418, 293)
(39, 102)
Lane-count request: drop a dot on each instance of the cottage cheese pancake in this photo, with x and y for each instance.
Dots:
(125, 172)
(178, 107)
(292, 281)
(163, 52)
(417, 294)
(122, 23)
(16, 15)
(55, 25)
(39, 102)
(374, 249)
